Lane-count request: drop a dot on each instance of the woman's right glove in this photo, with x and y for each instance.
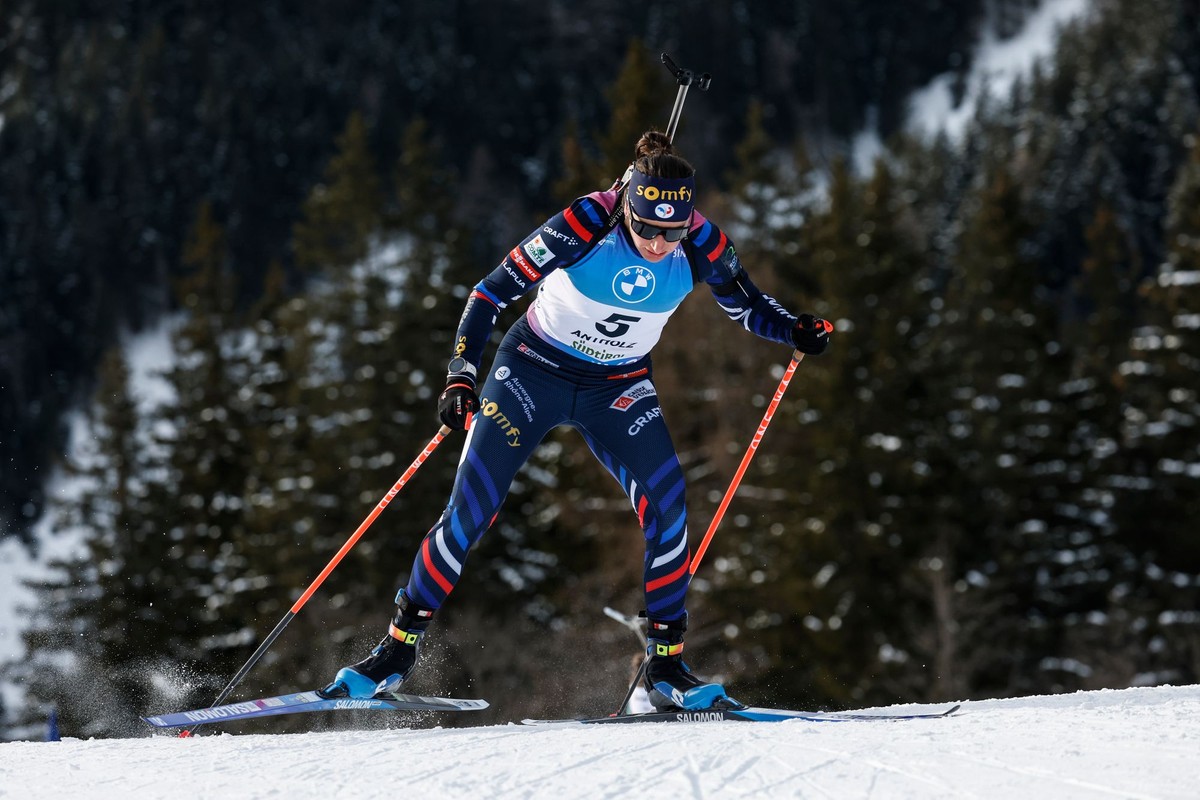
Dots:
(810, 334)
(457, 401)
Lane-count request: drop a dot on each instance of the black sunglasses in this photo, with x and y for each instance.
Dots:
(648, 231)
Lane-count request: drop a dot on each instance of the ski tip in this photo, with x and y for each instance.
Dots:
(951, 709)
(186, 734)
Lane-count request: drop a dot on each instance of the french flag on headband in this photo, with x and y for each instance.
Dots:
(663, 199)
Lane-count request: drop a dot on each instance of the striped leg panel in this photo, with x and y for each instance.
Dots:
(660, 504)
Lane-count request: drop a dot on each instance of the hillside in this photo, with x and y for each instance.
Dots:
(1134, 743)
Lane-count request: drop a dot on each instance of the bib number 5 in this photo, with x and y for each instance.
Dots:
(618, 325)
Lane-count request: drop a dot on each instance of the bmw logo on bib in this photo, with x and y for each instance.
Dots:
(633, 284)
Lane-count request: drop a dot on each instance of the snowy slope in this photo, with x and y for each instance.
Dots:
(996, 65)
(1132, 743)
(148, 355)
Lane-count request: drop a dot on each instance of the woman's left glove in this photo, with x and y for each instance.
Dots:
(457, 402)
(810, 334)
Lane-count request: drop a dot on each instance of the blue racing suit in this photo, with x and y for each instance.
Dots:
(580, 356)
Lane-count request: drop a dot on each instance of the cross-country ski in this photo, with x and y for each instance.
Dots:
(747, 714)
(353, 360)
(302, 702)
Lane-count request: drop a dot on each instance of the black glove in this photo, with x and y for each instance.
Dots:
(810, 334)
(457, 401)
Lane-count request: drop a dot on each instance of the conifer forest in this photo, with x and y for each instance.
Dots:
(988, 486)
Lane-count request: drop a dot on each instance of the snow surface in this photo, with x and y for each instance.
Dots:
(1131, 743)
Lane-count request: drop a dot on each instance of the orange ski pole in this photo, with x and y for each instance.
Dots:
(797, 357)
(300, 601)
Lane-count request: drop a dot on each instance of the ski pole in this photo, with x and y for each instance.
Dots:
(637, 678)
(797, 357)
(308, 593)
(629, 622)
(633, 625)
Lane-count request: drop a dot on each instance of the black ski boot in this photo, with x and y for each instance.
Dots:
(669, 682)
(392, 660)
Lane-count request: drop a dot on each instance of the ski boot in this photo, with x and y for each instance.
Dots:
(669, 682)
(392, 660)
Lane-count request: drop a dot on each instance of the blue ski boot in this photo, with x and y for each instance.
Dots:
(392, 660)
(669, 682)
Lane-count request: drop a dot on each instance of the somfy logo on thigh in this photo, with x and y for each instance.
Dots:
(633, 284)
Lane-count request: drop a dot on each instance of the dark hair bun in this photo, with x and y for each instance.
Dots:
(653, 143)
(655, 155)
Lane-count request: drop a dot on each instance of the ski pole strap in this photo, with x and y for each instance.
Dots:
(797, 357)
